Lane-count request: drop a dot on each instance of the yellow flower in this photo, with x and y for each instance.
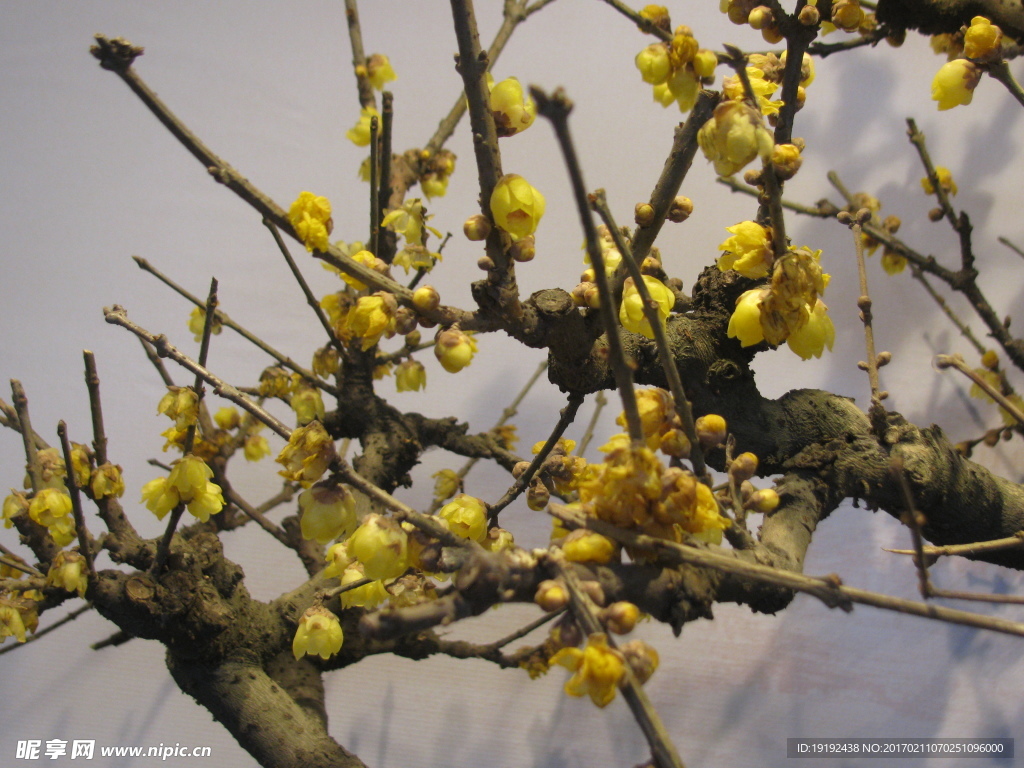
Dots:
(631, 310)
(654, 64)
(981, 38)
(583, 546)
(227, 418)
(893, 263)
(733, 137)
(372, 317)
(732, 88)
(946, 183)
(14, 505)
(598, 669)
(747, 250)
(446, 484)
(410, 376)
(366, 596)
(359, 134)
(328, 511)
(684, 87)
(190, 477)
(365, 258)
(307, 455)
(815, 335)
(381, 546)
(954, 83)
(512, 109)
(180, 404)
(107, 481)
(197, 320)
(160, 498)
(318, 634)
(49, 505)
(466, 517)
(81, 464)
(704, 521)
(307, 404)
(516, 206)
(310, 217)
(407, 221)
(16, 617)
(67, 572)
(255, 447)
(454, 349)
(380, 71)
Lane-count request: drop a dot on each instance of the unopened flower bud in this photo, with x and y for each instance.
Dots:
(760, 17)
(426, 298)
(551, 596)
(680, 209)
(538, 495)
(743, 467)
(620, 617)
(524, 249)
(641, 657)
(764, 500)
(405, 322)
(809, 16)
(787, 160)
(711, 430)
(643, 214)
(477, 227)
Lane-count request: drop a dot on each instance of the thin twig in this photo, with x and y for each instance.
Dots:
(164, 547)
(585, 612)
(556, 108)
(588, 434)
(226, 321)
(668, 364)
(71, 483)
(565, 417)
(32, 464)
(47, 630)
(956, 361)
(829, 589)
(355, 37)
(1000, 71)
(311, 300)
(677, 165)
(510, 411)
(92, 384)
(117, 315)
(117, 56)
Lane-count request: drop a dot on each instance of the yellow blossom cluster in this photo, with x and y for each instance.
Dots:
(307, 455)
(675, 68)
(188, 483)
(661, 425)
(310, 217)
(18, 615)
(409, 221)
(788, 308)
(632, 489)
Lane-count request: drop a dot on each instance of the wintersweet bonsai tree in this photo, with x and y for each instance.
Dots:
(711, 493)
